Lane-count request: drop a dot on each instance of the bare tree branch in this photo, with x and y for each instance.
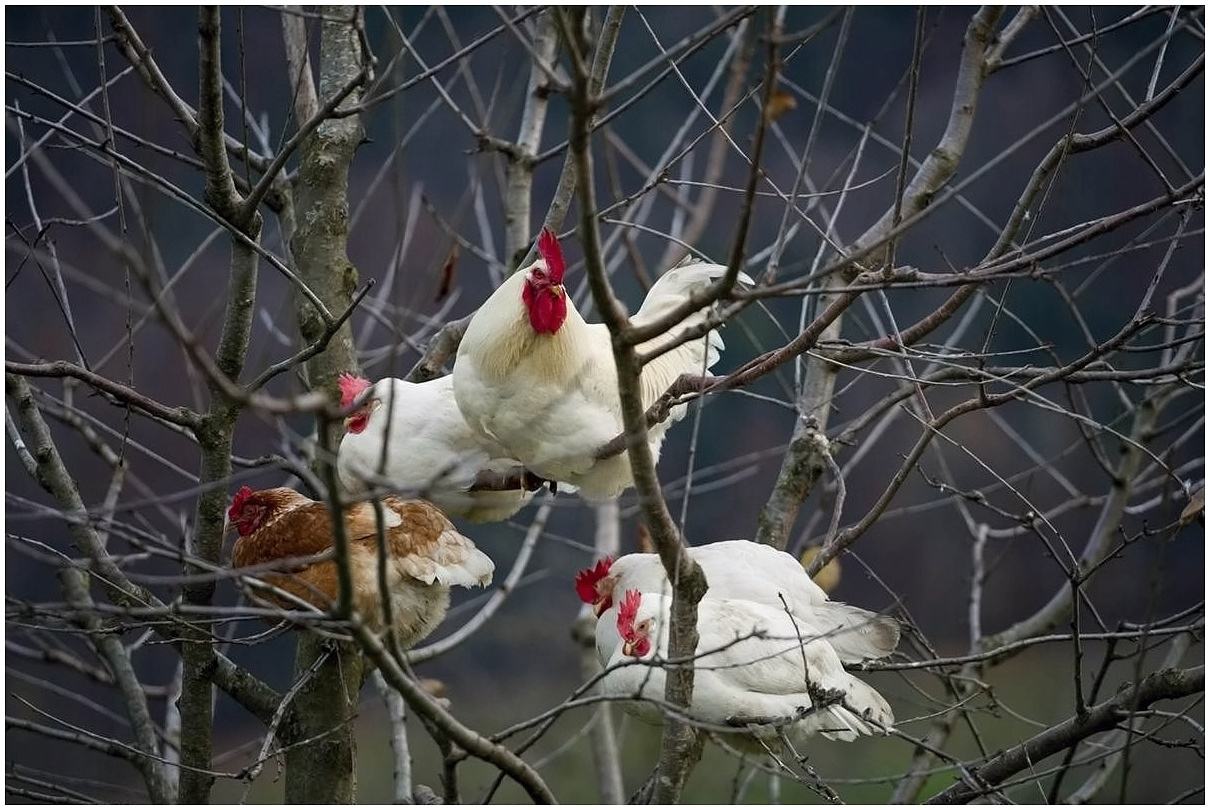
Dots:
(1168, 684)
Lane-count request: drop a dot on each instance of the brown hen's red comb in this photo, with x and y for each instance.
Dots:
(628, 610)
(586, 580)
(237, 502)
(552, 254)
(351, 388)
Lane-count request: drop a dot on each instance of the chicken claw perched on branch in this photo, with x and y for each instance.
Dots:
(512, 479)
(532, 482)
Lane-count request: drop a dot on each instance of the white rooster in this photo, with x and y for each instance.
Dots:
(749, 668)
(432, 453)
(532, 375)
(740, 569)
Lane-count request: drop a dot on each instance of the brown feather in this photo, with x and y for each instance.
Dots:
(420, 539)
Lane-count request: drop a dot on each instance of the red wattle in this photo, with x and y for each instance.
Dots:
(547, 308)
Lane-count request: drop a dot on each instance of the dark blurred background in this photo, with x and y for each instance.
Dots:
(524, 659)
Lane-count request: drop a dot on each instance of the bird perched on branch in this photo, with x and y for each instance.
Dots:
(279, 529)
(752, 670)
(741, 569)
(430, 450)
(532, 375)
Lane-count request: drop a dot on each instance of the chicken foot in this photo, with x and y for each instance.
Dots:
(514, 478)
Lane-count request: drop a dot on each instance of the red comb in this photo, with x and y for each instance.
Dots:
(586, 580)
(552, 254)
(351, 388)
(237, 502)
(628, 609)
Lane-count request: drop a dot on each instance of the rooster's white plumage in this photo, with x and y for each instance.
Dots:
(533, 376)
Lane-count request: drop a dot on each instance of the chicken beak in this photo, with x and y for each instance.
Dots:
(599, 607)
(627, 648)
(558, 290)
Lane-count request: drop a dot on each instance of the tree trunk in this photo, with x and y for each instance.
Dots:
(323, 771)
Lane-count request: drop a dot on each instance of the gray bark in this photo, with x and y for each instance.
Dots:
(216, 431)
(322, 772)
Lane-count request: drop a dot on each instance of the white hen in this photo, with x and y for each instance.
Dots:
(749, 668)
(432, 452)
(740, 569)
(532, 375)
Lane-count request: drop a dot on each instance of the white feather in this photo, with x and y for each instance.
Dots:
(433, 453)
(740, 569)
(750, 665)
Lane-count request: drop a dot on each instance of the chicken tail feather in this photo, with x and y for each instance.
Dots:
(856, 634)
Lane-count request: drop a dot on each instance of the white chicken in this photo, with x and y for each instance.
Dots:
(740, 569)
(533, 376)
(750, 672)
(431, 453)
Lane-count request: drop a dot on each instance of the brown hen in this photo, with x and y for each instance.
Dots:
(425, 556)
